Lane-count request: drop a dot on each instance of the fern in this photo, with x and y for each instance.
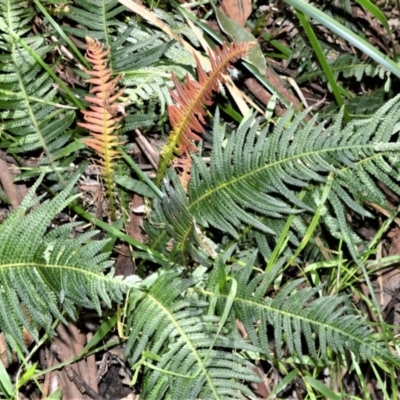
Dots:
(181, 322)
(150, 84)
(144, 56)
(194, 362)
(98, 20)
(178, 24)
(259, 175)
(175, 338)
(297, 317)
(44, 275)
(362, 106)
(350, 66)
(187, 113)
(101, 119)
(31, 116)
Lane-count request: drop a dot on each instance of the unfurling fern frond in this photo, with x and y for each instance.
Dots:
(43, 275)
(256, 178)
(187, 113)
(101, 119)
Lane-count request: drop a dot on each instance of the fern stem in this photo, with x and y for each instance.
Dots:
(165, 161)
(140, 174)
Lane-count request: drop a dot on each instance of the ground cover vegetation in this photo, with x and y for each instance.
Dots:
(199, 200)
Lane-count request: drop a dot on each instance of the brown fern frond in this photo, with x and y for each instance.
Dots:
(101, 118)
(187, 114)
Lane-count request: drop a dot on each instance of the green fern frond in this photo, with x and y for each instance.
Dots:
(96, 19)
(153, 82)
(132, 44)
(176, 22)
(135, 121)
(257, 174)
(43, 275)
(147, 63)
(350, 66)
(299, 319)
(183, 353)
(180, 240)
(28, 124)
(362, 106)
(193, 362)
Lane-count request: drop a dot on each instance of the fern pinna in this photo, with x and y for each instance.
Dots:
(101, 119)
(187, 113)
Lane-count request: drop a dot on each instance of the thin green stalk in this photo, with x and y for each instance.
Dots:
(62, 34)
(40, 61)
(346, 34)
(323, 62)
(315, 220)
(151, 255)
(141, 174)
(283, 238)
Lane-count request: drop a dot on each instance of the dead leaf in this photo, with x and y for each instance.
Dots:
(238, 10)
(389, 278)
(131, 396)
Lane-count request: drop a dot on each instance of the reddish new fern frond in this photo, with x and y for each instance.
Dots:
(101, 119)
(187, 114)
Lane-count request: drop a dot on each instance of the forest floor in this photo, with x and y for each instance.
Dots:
(105, 375)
